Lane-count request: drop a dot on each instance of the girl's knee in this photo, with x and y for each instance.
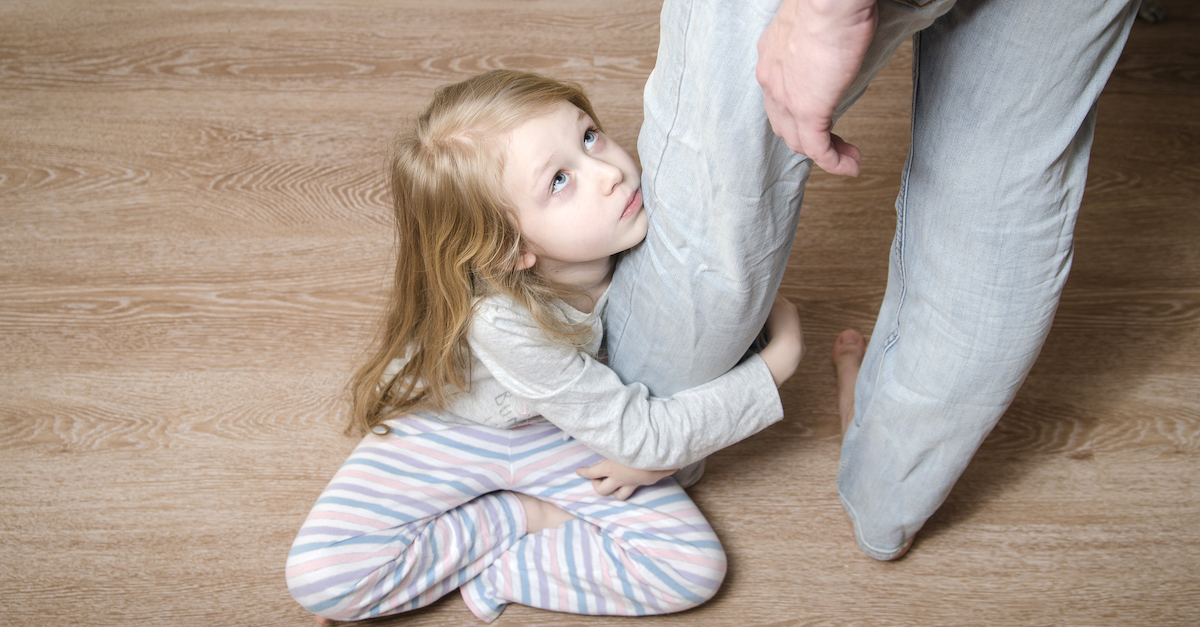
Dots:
(701, 574)
(329, 583)
(315, 592)
(337, 602)
(717, 565)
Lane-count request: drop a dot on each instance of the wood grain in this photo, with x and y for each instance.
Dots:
(195, 242)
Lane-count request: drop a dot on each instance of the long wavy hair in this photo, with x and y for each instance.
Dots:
(457, 238)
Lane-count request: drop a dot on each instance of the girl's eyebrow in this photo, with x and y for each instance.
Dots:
(538, 173)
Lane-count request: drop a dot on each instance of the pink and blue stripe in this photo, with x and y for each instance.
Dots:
(429, 509)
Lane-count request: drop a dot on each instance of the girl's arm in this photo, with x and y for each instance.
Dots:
(622, 421)
(782, 355)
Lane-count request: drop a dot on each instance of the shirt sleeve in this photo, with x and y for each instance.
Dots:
(587, 400)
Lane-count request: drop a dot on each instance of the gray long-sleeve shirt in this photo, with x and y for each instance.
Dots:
(518, 374)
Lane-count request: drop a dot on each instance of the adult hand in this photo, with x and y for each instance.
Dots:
(609, 477)
(807, 58)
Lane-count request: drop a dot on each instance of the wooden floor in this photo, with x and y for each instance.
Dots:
(194, 243)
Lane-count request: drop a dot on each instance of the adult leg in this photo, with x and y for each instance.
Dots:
(723, 194)
(1003, 114)
(651, 554)
(722, 191)
(409, 517)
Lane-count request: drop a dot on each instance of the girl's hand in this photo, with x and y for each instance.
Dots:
(610, 478)
(785, 348)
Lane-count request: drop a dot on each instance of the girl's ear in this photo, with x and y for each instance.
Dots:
(526, 261)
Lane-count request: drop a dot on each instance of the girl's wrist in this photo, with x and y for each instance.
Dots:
(776, 355)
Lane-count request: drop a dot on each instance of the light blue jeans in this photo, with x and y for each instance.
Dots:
(1003, 112)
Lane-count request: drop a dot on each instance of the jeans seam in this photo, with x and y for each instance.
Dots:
(902, 201)
(901, 224)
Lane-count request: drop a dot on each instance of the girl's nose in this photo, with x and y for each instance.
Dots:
(610, 176)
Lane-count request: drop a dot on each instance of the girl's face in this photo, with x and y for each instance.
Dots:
(577, 193)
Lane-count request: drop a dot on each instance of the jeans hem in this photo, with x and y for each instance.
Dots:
(877, 553)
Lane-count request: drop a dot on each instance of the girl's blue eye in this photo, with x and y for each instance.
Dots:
(589, 139)
(560, 181)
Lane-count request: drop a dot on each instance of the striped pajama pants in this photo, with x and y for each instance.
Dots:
(429, 508)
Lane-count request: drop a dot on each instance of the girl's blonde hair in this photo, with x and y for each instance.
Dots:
(457, 239)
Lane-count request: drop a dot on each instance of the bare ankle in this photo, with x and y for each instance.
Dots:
(848, 351)
(541, 515)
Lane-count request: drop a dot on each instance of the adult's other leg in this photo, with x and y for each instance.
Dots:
(1003, 114)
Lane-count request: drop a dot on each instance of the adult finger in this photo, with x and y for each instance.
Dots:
(828, 151)
(783, 124)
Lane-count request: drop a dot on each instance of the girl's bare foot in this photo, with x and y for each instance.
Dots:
(848, 351)
(324, 622)
(541, 515)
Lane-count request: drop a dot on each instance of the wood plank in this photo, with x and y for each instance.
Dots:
(195, 242)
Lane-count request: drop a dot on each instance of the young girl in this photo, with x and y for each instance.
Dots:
(489, 416)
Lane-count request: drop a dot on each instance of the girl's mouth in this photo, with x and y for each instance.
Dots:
(635, 203)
